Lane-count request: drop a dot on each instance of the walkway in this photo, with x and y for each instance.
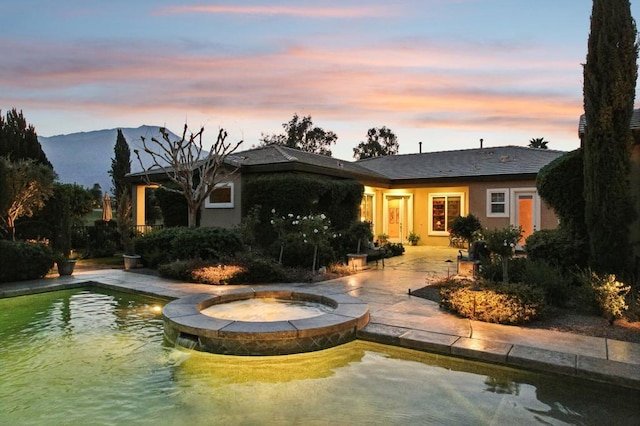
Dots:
(400, 319)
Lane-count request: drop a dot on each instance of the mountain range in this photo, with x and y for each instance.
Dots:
(85, 158)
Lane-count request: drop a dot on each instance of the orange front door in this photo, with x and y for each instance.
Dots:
(394, 219)
(526, 215)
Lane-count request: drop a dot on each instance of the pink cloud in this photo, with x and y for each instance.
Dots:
(418, 86)
(298, 12)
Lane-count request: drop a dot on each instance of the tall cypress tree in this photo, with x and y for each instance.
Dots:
(610, 75)
(120, 165)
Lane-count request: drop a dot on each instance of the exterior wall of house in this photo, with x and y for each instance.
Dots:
(226, 216)
(414, 208)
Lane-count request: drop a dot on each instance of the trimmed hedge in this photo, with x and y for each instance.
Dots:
(249, 271)
(21, 260)
(502, 304)
(171, 244)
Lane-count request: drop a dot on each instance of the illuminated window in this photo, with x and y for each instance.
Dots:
(497, 202)
(366, 208)
(221, 197)
(443, 210)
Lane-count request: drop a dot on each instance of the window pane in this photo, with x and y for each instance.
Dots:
(497, 208)
(497, 197)
(439, 214)
(220, 195)
(366, 208)
(453, 209)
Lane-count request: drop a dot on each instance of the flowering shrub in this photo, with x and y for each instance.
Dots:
(609, 295)
(314, 230)
(501, 244)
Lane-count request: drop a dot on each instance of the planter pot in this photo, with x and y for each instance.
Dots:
(357, 261)
(131, 260)
(65, 267)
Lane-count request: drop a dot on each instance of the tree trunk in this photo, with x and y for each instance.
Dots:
(315, 255)
(505, 269)
(193, 216)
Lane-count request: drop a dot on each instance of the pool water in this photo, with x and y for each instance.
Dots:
(91, 357)
(267, 309)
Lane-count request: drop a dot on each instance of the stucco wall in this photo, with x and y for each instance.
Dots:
(474, 200)
(225, 217)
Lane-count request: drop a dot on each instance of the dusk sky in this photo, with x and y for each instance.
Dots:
(444, 72)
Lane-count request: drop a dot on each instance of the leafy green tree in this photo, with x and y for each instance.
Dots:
(380, 142)
(19, 140)
(120, 165)
(610, 74)
(96, 195)
(302, 135)
(538, 143)
(26, 186)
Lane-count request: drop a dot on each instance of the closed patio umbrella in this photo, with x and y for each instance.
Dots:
(107, 214)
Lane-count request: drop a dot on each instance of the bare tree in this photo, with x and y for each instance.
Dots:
(185, 162)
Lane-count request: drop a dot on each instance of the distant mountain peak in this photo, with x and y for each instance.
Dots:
(85, 157)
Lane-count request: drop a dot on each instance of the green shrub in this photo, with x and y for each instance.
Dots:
(21, 260)
(180, 269)
(556, 286)
(394, 249)
(258, 271)
(561, 184)
(558, 247)
(248, 271)
(503, 304)
(171, 244)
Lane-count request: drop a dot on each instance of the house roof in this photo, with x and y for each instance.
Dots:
(284, 158)
(468, 163)
(634, 125)
(481, 163)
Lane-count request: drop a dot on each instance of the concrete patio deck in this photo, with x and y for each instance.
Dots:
(397, 318)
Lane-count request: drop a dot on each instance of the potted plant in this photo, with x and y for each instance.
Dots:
(382, 238)
(413, 238)
(361, 232)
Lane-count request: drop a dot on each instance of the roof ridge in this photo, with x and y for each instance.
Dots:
(289, 157)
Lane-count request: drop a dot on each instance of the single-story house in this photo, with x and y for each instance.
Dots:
(421, 193)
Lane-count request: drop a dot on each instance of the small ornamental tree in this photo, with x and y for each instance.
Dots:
(26, 186)
(184, 162)
(501, 244)
(466, 228)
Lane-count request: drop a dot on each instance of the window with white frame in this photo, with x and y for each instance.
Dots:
(498, 202)
(366, 208)
(221, 197)
(443, 210)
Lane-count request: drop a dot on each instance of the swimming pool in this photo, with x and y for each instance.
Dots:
(89, 356)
